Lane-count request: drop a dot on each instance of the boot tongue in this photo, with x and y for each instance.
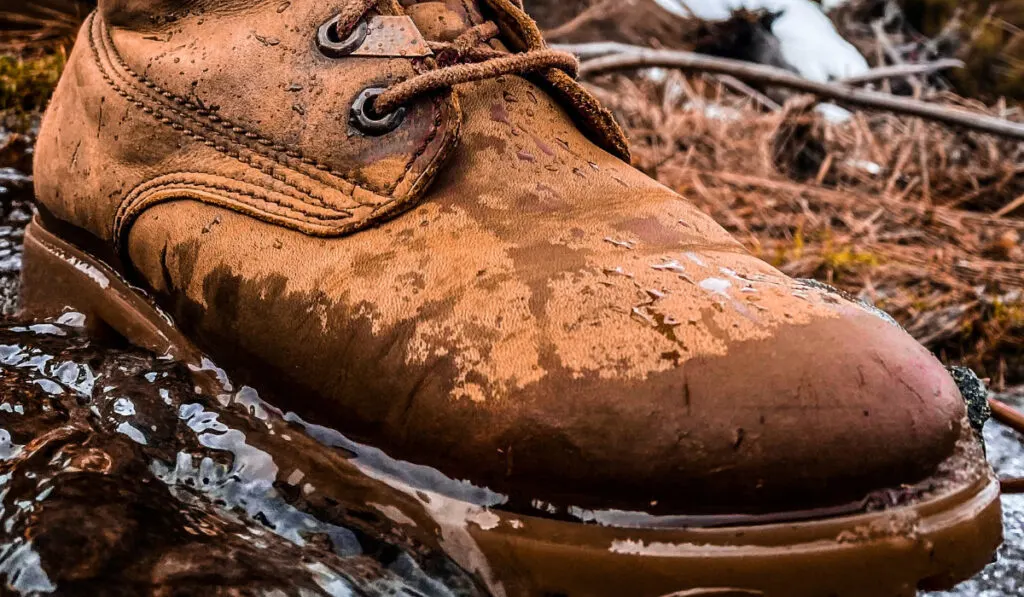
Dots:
(442, 20)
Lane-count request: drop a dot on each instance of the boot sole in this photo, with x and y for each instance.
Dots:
(933, 544)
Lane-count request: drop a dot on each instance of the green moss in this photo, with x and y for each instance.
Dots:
(847, 260)
(26, 84)
(784, 254)
(1008, 314)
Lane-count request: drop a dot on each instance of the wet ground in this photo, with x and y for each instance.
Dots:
(118, 476)
(1005, 577)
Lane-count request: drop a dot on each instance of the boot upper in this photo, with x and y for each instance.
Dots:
(488, 289)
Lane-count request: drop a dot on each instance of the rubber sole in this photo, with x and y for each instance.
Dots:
(931, 544)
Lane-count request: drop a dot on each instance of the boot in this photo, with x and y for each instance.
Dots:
(407, 221)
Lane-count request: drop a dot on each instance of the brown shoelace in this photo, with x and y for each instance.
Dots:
(468, 58)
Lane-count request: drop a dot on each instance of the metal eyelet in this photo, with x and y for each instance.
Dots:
(331, 45)
(367, 120)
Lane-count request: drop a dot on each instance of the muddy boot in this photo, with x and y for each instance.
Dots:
(407, 221)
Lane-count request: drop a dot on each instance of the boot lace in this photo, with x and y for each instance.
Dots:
(466, 59)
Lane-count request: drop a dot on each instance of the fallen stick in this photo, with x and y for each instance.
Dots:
(594, 12)
(595, 49)
(897, 58)
(902, 70)
(741, 87)
(1007, 415)
(1014, 485)
(623, 56)
(1009, 207)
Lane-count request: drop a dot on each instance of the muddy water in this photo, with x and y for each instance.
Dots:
(118, 476)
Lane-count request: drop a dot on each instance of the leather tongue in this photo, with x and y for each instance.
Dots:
(442, 20)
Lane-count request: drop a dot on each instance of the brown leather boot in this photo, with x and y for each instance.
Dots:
(407, 221)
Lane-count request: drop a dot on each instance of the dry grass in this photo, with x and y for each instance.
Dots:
(40, 26)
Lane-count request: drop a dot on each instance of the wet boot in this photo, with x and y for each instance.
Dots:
(407, 221)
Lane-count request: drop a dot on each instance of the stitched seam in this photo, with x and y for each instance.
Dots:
(139, 194)
(470, 14)
(227, 125)
(199, 113)
(300, 194)
(138, 198)
(192, 185)
(423, 148)
(417, 65)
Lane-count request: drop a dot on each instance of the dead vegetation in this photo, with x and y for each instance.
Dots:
(33, 27)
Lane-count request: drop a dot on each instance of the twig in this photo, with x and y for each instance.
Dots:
(1014, 419)
(902, 70)
(1014, 485)
(597, 48)
(737, 85)
(879, 28)
(640, 57)
(1009, 207)
(1007, 415)
(592, 13)
(926, 179)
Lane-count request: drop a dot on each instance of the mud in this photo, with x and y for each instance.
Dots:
(118, 476)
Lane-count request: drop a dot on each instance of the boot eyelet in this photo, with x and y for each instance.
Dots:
(330, 43)
(367, 120)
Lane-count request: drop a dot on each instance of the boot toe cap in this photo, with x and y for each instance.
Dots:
(819, 414)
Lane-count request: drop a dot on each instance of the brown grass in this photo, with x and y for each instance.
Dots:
(32, 27)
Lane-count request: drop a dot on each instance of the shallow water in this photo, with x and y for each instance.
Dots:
(119, 477)
(1005, 577)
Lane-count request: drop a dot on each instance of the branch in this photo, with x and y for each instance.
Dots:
(594, 12)
(1011, 485)
(741, 87)
(1007, 415)
(593, 50)
(597, 48)
(902, 70)
(639, 57)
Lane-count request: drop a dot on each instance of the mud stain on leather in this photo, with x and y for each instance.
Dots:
(411, 414)
(536, 265)
(185, 255)
(542, 200)
(652, 232)
(413, 280)
(369, 265)
(348, 355)
(486, 143)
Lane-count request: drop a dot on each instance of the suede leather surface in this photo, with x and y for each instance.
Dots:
(227, 127)
(544, 320)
